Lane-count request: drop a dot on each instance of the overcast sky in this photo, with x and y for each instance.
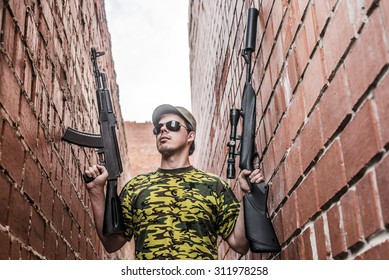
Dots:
(151, 54)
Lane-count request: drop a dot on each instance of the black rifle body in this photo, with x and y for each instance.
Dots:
(107, 147)
(259, 229)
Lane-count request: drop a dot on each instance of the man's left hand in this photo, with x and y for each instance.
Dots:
(254, 176)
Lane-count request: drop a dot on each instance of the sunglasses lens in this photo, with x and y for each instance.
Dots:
(157, 128)
(173, 125)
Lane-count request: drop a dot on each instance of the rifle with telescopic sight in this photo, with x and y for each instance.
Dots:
(259, 229)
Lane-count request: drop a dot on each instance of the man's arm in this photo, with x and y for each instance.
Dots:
(237, 239)
(95, 189)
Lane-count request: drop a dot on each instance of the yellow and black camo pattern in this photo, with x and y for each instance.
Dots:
(178, 214)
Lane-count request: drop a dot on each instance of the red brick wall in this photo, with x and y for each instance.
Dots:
(47, 85)
(320, 71)
(141, 148)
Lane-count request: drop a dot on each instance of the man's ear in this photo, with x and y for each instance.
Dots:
(191, 136)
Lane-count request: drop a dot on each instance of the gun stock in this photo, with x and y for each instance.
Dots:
(259, 229)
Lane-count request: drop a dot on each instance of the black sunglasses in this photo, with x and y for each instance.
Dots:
(170, 125)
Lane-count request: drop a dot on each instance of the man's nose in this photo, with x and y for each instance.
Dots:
(164, 129)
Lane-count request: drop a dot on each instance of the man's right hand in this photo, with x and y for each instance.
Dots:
(99, 174)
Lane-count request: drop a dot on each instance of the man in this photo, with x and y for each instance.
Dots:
(178, 211)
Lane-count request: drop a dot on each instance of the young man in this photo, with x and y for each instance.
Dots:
(177, 211)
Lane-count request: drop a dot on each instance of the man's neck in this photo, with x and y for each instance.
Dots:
(174, 162)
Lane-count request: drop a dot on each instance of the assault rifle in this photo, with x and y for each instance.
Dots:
(259, 229)
(107, 147)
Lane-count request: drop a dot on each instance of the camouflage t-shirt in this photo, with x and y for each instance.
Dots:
(178, 214)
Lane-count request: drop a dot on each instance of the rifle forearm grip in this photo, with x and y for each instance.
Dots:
(113, 217)
(259, 229)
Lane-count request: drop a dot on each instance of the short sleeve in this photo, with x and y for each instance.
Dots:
(125, 201)
(228, 210)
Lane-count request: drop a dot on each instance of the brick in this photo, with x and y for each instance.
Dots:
(57, 214)
(360, 140)
(308, 203)
(335, 104)
(4, 198)
(277, 189)
(330, 173)
(82, 246)
(306, 239)
(50, 243)
(9, 90)
(19, 60)
(382, 104)
(337, 37)
(378, 252)
(61, 250)
(280, 142)
(383, 188)
(12, 156)
(43, 150)
(322, 12)
(8, 33)
(32, 36)
(31, 181)
(37, 232)
(67, 226)
(295, 250)
(75, 237)
(46, 199)
(20, 208)
(19, 11)
(293, 169)
(311, 33)
(15, 250)
(312, 134)
(28, 129)
(313, 87)
(290, 217)
(367, 57)
(368, 205)
(279, 227)
(384, 8)
(4, 245)
(291, 74)
(336, 231)
(302, 49)
(351, 218)
(296, 114)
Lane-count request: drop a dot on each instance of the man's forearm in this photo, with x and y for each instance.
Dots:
(237, 239)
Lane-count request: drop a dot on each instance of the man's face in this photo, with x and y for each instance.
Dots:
(173, 142)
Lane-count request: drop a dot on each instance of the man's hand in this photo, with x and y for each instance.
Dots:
(255, 177)
(99, 174)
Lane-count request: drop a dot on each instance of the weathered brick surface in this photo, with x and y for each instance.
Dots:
(46, 85)
(320, 72)
(141, 147)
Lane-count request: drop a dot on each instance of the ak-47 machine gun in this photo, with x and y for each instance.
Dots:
(107, 147)
(259, 229)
